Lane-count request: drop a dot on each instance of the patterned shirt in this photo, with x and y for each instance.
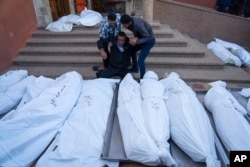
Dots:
(109, 32)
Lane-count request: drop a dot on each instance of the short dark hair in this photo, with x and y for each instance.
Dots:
(112, 17)
(122, 34)
(125, 19)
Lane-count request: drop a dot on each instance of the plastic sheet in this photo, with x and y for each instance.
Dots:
(84, 129)
(65, 23)
(24, 137)
(138, 145)
(190, 127)
(237, 50)
(156, 115)
(13, 94)
(224, 54)
(11, 78)
(231, 126)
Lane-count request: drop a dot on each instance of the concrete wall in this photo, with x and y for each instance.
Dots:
(17, 22)
(204, 3)
(202, 23)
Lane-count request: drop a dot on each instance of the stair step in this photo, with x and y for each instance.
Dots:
(82, 33)
(154, 24)
(54, 53)
(237, 77)
(191, 51)
(90, 60)
(83, 42)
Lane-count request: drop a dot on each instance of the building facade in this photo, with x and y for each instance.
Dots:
(19, 18)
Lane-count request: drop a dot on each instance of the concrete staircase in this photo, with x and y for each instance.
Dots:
(52, 54)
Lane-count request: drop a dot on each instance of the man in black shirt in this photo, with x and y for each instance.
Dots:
(120, 58)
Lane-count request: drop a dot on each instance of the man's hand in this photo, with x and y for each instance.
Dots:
(103, 54)
(110, 44)
(133, 41)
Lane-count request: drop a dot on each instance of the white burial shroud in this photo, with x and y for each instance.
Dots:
(24, 137)
(156, 115)
(245, 92)
(35, 89)
(138, 145)
(224, 54)
(80, 142)
(65, 23)
(231, 126)
(190, 127)
(11, 78)
(13, 94)
(237, 50)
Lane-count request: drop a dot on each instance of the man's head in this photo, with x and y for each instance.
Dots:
(112, 19)
(126, 20)
(121, 38)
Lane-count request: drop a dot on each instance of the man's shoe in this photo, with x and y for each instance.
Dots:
(97, 68)
(135, 70)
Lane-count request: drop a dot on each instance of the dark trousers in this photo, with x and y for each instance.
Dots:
(145, 49)
(112, 71)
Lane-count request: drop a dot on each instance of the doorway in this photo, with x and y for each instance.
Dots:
(108, 6)
(59, 8)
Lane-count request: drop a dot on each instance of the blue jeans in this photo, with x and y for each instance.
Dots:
(145, 49)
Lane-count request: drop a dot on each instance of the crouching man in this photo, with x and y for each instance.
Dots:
(120, 58)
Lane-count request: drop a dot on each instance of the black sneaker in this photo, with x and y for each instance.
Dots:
(97, 68)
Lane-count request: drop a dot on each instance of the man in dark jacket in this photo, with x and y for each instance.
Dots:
(143, 40)
(120, 58)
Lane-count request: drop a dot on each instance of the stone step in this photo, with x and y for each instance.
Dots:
(161, 33)
(154, 24)
(52, 54)
(159, 62)
(190, 51)
(234, 76)
(176, 41)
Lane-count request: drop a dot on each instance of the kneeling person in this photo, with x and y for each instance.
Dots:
(120, 58)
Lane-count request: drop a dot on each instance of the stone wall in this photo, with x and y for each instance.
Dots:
(204, 3)
(202, 23)
(17, 22)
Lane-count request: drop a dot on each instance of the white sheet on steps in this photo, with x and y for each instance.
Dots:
(224, 54)
(65, 23)
(24, 137)
(80, 141)
(237, 50)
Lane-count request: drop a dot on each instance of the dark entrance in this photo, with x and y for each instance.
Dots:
(108, 6)
(59, 8)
